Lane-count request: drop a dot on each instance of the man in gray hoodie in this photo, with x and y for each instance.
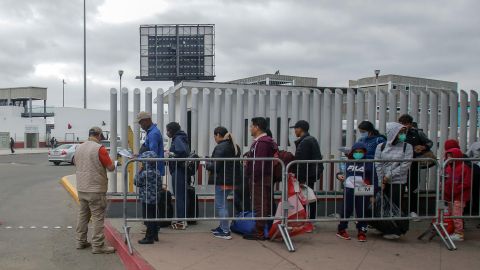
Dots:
(394, 175)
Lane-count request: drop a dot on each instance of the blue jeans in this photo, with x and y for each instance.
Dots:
(179, 182)
(221, 206)
(361, 209)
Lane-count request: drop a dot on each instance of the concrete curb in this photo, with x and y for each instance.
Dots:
(131, 262)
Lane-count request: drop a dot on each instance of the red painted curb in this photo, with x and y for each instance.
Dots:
(131, 262)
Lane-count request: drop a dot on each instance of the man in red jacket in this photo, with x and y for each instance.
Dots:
(260, 174)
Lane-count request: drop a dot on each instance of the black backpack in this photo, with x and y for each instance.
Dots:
(192, 166)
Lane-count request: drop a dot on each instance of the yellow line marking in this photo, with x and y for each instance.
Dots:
(70, 188)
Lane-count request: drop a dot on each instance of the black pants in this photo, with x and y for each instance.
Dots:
(151, 211)
(357, 203)
(241, 195)
(11, 149)
(412, 189)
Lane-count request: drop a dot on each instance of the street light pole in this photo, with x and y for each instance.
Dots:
(377, 72)
(84, 58)
(120, 73)
(63, 92)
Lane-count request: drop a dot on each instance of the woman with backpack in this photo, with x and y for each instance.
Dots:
(370, 137)
(227, 177)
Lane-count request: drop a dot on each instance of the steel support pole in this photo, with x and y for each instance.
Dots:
(284, 119)
(463, 120)
(136, 126)
(239, 118)
(148, 100)
(273, 113)
(124, 126)
(227, 115)
(372, 106)
(194, 130)
(112, 182)
(160, 111)
(473, 117)
(382, 111)
(350, 117)
(183, 108)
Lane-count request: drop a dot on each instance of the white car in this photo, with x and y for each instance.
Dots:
(63, 153)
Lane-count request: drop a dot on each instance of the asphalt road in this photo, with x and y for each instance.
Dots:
(39, 218)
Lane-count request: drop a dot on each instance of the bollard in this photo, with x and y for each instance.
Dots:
(124, 127)
(112, 183)
(227, 119)
(160, 111)
(148, 100)
(194, 128)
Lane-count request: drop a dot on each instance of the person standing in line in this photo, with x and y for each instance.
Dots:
(260, 174)
(92, 162)
(370, 137)
(12, 145)
(421, 144)
(394, 174)
(178, 149)
(227, 177)
(153, 138)
(307, 148)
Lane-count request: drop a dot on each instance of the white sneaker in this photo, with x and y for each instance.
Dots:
(456, 237)
(391, 236)
(414, 217)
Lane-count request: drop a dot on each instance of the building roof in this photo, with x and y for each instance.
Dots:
(19, 93)
(279, 78)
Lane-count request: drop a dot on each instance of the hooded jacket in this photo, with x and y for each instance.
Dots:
(396, 172)
(263, 147)
(458, 178)
(474, 150)
(359, 173)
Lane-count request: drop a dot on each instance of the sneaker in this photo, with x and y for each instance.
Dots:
(362, 237)
(222, 235)
(83, 245)
(391, 236)
(457, 237)
(308, 227)
(414, 217)
(218, 229)
(103, 250)
(343, 234)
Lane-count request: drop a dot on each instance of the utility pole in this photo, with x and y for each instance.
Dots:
(63, 92)
(84, 57)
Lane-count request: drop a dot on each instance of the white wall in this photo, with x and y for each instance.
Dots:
(11, 121)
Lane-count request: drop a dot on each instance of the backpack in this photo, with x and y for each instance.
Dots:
(192, 166)
(286, 157)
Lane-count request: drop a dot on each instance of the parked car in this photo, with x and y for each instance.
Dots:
(63, 153)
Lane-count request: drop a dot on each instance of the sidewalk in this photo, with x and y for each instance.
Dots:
(20, 151)
(196, 248)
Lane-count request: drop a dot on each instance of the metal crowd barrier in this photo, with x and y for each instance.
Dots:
(189, 192)
(460, 196)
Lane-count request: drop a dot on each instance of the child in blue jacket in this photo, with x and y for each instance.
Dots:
(357, 174)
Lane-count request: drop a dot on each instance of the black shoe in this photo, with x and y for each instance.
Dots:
(146, 241)
(254, 237)
(155, 237)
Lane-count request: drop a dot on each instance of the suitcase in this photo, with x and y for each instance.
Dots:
(192, 204)
(165, 207)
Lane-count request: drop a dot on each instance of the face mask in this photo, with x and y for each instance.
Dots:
(357, 155)
(402, 137)
(363, 134)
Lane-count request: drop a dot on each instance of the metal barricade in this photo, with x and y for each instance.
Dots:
(204, 189)
(460, 195)
(411, 192)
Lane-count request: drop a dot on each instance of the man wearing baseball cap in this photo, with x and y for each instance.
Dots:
(92, 162)
(307, 148)
(153, 138)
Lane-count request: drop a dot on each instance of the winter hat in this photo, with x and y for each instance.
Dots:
(451, 143)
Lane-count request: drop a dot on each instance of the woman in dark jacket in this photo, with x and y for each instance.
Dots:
(226, 175)
(371, 137)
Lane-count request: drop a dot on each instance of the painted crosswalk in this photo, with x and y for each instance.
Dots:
(33, 227)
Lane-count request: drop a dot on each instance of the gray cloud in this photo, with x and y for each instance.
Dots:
(332, 40)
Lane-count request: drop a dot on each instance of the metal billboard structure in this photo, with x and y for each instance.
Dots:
(176, 52)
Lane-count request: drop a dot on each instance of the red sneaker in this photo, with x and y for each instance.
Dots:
(308, 227)
(362, 237)
(343, 234)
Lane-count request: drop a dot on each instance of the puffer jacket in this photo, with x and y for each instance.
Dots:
(149, 180)
(396, 172)
(225, 172)
(372, 143)
(458, 178)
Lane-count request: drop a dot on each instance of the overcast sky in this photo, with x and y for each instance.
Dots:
(41, 41)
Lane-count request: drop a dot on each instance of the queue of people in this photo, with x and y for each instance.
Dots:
(252, 182)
